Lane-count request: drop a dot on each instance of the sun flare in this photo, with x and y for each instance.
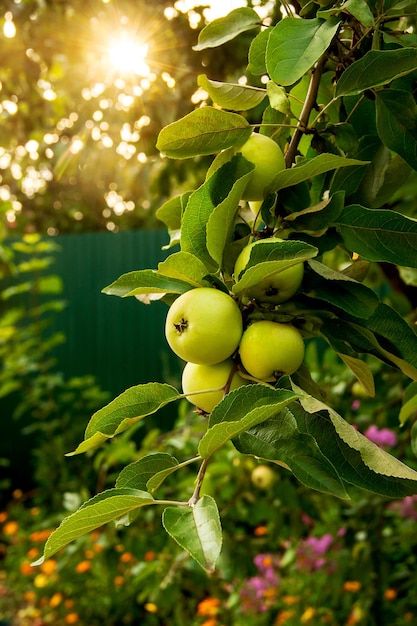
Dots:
(128, 57)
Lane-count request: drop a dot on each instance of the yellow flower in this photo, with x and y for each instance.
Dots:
(151, 607)
(41, 580)
(308, 615)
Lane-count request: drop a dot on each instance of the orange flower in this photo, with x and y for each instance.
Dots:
(89, 554)
(26, 569)
(29, 596)
(290, 600)
(55, 600)
(283, 617)
(126, 557)
(35, 511)
(119, 581)
(260, 531)
(149, 556)
(48, 567)
(98, 547)
(69, 603)
(3, 517)
(17, 494)
(38, 536)
(390, 594)
(83, 566)
(208, 606)
(10, 528)
(352, 585)
(210, 622)
(71, 618)
(32, 553)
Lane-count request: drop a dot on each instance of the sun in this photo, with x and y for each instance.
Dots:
(127, 56)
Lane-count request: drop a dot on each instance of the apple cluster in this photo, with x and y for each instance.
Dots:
(205, 326)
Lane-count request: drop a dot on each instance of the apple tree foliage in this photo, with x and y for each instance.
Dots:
(334, 86)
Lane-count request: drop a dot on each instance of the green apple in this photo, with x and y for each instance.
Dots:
(267, 157)
(277, 287)
(197, 379)
(269, 349)
(263, 476)
(204, 325)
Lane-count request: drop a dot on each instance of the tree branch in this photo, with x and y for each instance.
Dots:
(309, 104)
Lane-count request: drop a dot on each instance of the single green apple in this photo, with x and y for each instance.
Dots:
(204, 325)
(269, 349)
(197, 379)
(263, 476)
(267, 157)
(277, 287)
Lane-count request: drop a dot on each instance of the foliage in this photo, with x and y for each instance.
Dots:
(338, 98)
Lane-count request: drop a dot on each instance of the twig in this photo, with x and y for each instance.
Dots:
(309, 104)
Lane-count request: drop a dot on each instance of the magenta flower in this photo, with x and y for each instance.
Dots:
(383, 437)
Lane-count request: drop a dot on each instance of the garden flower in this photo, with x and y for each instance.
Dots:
(208, 607)
(383, 437)
(352, 585)
(311, 552)
(405, 507)
(10, 528)
(83, 566)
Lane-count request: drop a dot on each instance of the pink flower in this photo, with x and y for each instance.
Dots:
(381, 436)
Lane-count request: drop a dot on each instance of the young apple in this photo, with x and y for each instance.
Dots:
(267, 157)
(277, 287)
(269, 349)
(200, 378)
(263, 476)
(204, 325)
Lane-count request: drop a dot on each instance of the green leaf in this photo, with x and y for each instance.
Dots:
(222, 220)
(146, 282)
(257, 52)
(268, 259)
(396, 121)
(319, 216)
(223, 29)
(358, 8)
(127, 409)
(185, 267)
(279, 439)
(213, 206)
(308, 168)
(358, 461)
(362, 372)
(409, 403)
(170, 214)
(379, 235)
(197, 530)
(138, 474)
(340, 290)
(232, 96)
(103, 508)
(278, 98)
(375, 69)
(241, 409)
(204, 131)
(295, 45)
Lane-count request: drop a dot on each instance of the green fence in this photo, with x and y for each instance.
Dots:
(119, 340)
